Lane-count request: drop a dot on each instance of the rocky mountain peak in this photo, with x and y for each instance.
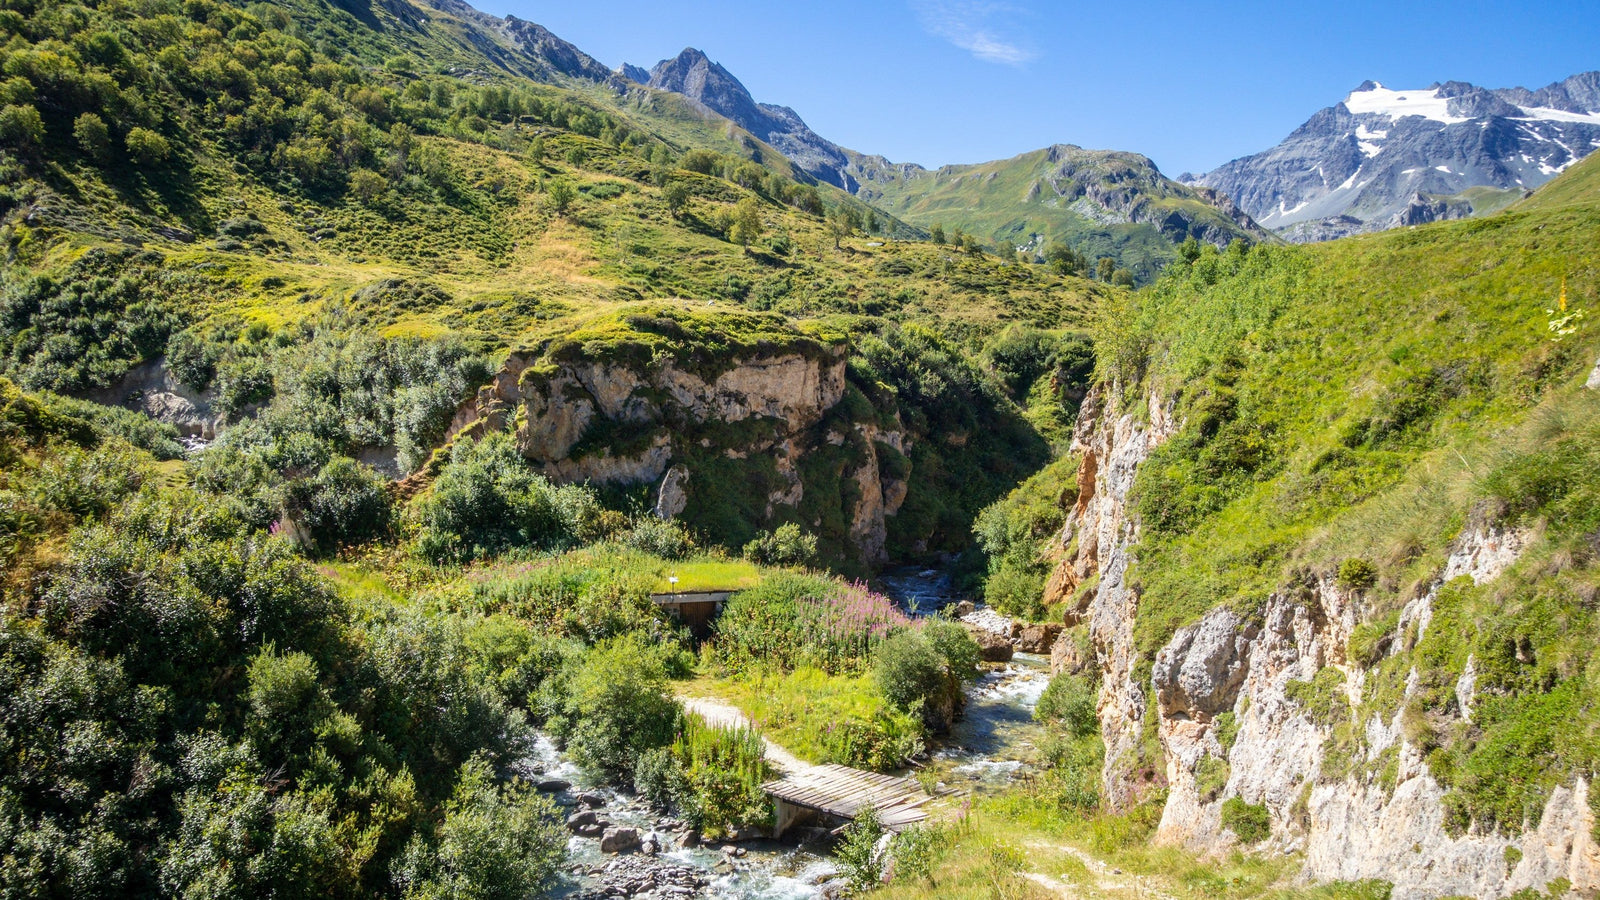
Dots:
(694, 75)
(1384, 158)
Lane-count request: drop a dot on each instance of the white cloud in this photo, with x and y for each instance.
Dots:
(971, 26)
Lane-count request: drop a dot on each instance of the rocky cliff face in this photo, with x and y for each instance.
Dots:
(752, 432)
(1092, 576)
(1385, 159)
(1229, 697)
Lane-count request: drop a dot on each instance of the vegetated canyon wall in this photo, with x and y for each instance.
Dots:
(764, 438)
(1232, 725)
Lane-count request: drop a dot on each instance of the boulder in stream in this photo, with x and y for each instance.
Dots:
(620, 840)
(991, 647)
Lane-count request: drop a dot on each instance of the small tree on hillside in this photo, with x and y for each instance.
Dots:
(561, 196)
(676, 196)
(1105, 268)
(842, 223)
(937, 233)
(746, 222)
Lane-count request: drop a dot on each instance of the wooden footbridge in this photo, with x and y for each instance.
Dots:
(841, 793)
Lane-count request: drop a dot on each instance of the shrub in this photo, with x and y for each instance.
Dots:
(667, 539)
(1210, 777)
(917, 850)
(956, 645)
(1072, 779)
(723, 770)
(1357, 574)
(1069, 702)
(94, 138)
(146, 147)
(615, 707)
(498, 841)
(1016, 589)
(343, 505)
(914, 675)
(793, 620)
(21, 126)
(1250, 821)
(658, 777)
(787, 546)
(858, 854)
(488, 500)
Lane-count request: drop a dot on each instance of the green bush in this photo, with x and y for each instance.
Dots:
(344, 505)
(667, 539)
(787, 546)
(146, 147)
(498, 841)
(792, 620)
(1069, 702)
(908, 669)
(1211, 777)
(1250, 821)
(614, 707)
(917, 850)
(488, 500)
(858, 854)
(1357, 574)
(722, 771)
(955, 644)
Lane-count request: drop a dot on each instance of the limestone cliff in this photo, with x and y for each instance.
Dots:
(752, 438)
(1266, 708)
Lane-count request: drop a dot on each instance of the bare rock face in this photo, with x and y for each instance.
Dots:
(152, 389)
(992, 647)
(1039, 637)
(670, 497)
(1100, 533)
(620, 423)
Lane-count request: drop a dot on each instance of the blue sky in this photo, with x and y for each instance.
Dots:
(1190, 84)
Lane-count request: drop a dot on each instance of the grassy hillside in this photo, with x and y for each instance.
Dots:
(343, 216)
(358, 149)
(1101, 204)
(1351, 408)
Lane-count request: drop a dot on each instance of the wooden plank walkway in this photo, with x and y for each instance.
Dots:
(843, 792)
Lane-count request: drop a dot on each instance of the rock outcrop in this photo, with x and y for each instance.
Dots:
(740, 429)
(1229, 696)
(1096, 545)
(152, 389)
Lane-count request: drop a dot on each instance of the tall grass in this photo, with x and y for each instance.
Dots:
(791, 621)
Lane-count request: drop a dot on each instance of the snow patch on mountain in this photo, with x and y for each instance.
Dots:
(1380, 101)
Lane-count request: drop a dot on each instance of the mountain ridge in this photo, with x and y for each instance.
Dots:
(1383, 158)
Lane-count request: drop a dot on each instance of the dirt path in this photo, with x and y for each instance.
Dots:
(725, 714)
(1107, 881)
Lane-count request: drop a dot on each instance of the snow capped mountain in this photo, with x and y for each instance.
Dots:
(1384, 158)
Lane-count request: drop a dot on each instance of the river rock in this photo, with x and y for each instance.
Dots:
(991, 647)
(591, 800)
(620, 840)
(689, 840)
(746, 833)
(580, 820)
(553, 785)
(1069, 656)
(964, 608)
(1039, 637)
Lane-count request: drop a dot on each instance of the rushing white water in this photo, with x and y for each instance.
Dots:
(989, 747)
